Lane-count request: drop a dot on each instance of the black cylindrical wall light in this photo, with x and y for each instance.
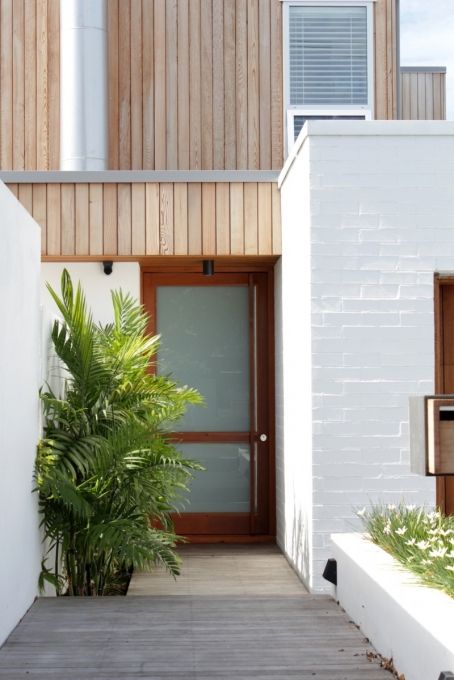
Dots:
(208, 267)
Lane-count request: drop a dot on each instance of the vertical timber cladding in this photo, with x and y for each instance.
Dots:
(423, 94)
(209, 218)
(30, 84)
(195, 84)
(385, 27)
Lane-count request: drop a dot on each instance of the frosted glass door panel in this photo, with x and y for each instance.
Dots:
(224, 484)
(205, 344)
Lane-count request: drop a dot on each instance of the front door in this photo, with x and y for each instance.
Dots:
(215, 337)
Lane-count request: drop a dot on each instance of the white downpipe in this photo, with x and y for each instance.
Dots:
(83, 85)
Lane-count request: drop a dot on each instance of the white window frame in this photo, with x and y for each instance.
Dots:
(311, 110)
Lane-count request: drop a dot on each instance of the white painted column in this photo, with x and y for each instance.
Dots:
(83, 85)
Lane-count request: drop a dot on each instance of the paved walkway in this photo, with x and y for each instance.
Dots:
(189, 631)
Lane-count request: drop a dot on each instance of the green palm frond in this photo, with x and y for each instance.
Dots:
(106, 475)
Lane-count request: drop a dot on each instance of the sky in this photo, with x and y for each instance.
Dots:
(427, 39)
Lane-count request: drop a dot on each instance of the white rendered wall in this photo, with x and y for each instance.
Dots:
(20, 369)
(294, 379)
(378, 222)
(96, 285)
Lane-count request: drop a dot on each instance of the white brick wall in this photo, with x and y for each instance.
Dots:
(373, 204)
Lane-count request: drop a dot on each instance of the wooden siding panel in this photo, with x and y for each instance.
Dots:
(110, 212)
(241, 85)
(148, 84)
(138, 218)
(112, 69)
(53, 124)
(195, 122)
(96, 217)
(236, 218)
(30, 84)
(68, 220)
(264, 219)
(181, 219)
(422, 94)
(124, 84)
(53, 219)
(160, 84)
(166, 217)
(265, 83)
(253, 85)
(124, 219)
(204, 65)
(171, 84)
(250, 219)
(277, 85)
(39, 211)
(206, 37)
(18, 85)
(194, 218)
(385, 59)
(222, 218)
(6, 84)
(82, 219)
(136, 86)
(141, 219)
(183, 84)
(229, 86)
(208, 219)
(152, 218)
(218, 85)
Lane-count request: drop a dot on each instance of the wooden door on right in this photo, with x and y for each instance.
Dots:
(444, 369)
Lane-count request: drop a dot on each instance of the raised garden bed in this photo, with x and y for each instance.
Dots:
(404, 620)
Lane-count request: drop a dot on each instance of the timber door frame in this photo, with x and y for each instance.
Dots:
(440, 282)
(245, 272)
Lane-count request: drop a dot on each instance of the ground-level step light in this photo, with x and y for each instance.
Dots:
(208, 267)
(330, 571)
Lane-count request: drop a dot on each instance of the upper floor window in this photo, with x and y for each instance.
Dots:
(328, 58)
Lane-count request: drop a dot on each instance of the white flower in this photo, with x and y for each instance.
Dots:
(387, 529)
(401, 531)
(450, 554)
(391, 506)
(361, 513)
(439, 552)
(449, 567)
(426, 562)
(410, 507)
(423, 545)
(412, 541)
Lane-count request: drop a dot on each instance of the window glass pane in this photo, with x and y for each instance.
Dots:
(224, 484)
(205, 344)
(328, 55)
(298, 121)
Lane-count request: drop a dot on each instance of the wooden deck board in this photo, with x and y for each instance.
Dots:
(194, 636)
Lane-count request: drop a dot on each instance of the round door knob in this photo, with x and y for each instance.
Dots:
(263, 438)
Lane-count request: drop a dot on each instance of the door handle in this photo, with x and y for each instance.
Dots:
(263, 437)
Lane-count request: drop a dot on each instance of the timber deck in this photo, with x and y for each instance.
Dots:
(220, 633)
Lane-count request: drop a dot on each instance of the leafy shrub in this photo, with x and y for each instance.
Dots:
(105, 472)
(420, 540)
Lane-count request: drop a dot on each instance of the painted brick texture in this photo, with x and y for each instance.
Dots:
(381, 224)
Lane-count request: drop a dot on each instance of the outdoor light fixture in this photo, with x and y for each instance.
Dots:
(330, 571)
(446, 675)
(108, 267)
(208, 267)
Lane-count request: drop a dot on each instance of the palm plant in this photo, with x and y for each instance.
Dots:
(106, 474)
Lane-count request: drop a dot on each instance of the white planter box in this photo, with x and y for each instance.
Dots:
(410, 623)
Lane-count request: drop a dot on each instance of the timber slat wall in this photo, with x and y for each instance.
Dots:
(186, 78)
(423, 94)
(193, 84)
(29, 84)
(385, 60)
(222, 218)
